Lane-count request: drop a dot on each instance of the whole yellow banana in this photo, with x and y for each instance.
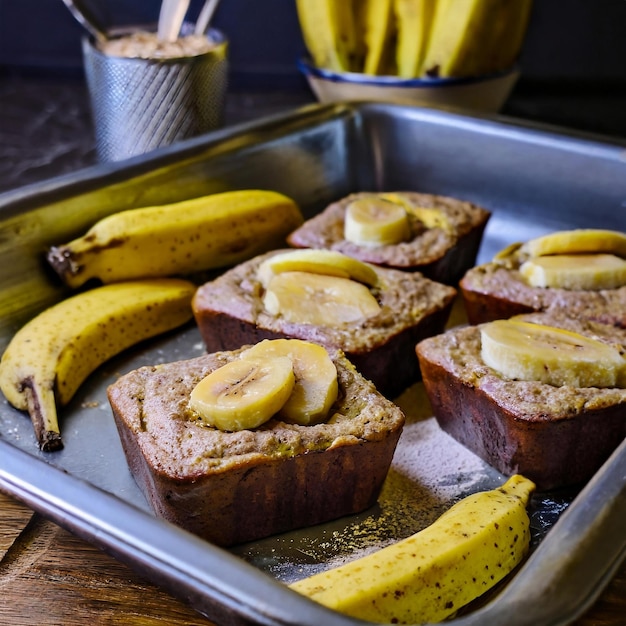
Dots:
(474, 37)
(377, 20)
(51, 356)
(330, 33)
(178, 239)
(432, 574)
(505, 43)
(414, 19)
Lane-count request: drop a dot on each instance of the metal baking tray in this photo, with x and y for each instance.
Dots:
(534, 179)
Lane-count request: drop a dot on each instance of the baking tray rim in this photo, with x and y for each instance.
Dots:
(311, 114)
(236, 587)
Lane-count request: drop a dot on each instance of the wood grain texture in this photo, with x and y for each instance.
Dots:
(13, 517)
(50, 577)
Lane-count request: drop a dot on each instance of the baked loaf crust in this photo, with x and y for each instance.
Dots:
(229, 312)
(497, 290)
(556, 436)
(442, 255)
(232, 487)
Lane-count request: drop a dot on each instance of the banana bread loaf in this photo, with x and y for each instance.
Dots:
(230, 312)
(502, 288)
(442, 243)
(232, 487)
(554, 435)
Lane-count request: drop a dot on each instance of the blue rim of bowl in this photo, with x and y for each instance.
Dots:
(308, 69)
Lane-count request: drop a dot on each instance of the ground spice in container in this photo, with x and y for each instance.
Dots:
(146, 45)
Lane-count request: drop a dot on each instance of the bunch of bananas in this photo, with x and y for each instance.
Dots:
(414, 38)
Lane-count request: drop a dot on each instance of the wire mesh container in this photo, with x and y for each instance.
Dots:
(140, 104)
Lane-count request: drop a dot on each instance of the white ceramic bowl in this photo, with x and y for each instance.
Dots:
(485, 93)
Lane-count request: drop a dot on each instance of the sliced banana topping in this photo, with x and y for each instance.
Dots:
(244, 393)
(306, 298)
(508, 252)
(431, 217)
(375, 221)
(292, 379)
(578, 241)
(526, 351)
(316, 387)
(575, 271)
(326, 262)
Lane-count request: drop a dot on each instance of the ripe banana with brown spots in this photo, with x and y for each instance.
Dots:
(432, 574)
(51, 355)
(178, 239)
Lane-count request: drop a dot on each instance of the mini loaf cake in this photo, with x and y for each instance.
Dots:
(235, 486)
(528, 398)
(374, 315)
(582, 272)
(435, 235)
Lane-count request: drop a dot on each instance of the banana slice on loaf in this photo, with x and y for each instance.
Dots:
(436, 235)
(582, 271)
(523, 350)
(375, 315)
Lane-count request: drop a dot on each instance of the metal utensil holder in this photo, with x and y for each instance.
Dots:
(139, 104)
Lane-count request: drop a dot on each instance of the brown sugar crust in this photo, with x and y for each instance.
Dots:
(232, 487)
(498, 291)
(437, 253)
(229, 313)
(556, 436)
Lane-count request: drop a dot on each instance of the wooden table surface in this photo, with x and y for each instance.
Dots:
(49, 577)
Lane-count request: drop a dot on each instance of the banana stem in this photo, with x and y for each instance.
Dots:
(43, 415)
(60, 258)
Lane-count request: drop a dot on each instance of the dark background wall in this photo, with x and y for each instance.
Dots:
(580, 41)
